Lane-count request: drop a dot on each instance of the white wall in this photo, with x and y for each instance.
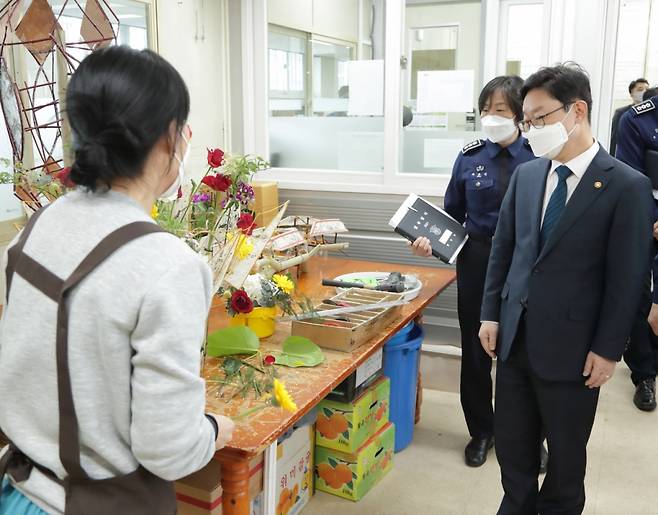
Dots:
(332, 18)
(191, 37)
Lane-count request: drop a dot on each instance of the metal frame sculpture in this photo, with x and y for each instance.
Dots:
(33, 26)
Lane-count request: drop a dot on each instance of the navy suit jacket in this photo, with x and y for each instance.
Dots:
(582, 289)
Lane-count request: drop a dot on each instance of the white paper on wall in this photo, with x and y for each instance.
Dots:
(366, 83)
(441, 153)
(445, 91)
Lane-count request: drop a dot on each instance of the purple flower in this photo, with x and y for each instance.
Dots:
(200, 197)
(246, 192)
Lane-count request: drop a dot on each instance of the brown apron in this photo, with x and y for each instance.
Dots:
(137, 493)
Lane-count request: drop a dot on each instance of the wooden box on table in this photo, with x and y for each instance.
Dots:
(346, 332)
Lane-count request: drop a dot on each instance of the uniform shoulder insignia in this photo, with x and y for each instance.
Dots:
(644, 107)
(472, 146)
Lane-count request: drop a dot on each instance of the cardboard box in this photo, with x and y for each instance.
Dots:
(256, 506)
(256, 476)
(294, 469)
(347, 426)
(353, 475)
(359, 380)
(266, 201)
(200, 493)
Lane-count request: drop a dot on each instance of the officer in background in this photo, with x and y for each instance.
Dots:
(637, 139)
(636, 90)
(480, 177)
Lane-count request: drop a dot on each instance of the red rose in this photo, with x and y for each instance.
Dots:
(215, 158)
(241, 303)
(180, 192)
(64, 177)
(269, 360)
(217, 182)
(222, 182)
(246, 223)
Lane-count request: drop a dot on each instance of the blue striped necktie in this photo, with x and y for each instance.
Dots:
(556, 204)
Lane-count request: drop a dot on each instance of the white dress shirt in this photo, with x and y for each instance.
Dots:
(578, 166)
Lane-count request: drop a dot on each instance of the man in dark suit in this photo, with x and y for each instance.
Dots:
(569, 258)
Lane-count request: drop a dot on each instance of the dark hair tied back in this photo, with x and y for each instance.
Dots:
(119, 103)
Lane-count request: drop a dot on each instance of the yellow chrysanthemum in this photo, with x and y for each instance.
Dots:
(284, 283)
(154, 211)
(283, 398)
(245, 248)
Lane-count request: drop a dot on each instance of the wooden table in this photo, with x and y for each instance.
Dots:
(307, 386)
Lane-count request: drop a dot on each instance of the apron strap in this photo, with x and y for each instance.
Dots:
(58, 290)
(69, 438)
(15, 252)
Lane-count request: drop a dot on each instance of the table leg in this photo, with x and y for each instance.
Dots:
(235, 483)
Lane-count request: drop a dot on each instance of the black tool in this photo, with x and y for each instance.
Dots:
(393, 283)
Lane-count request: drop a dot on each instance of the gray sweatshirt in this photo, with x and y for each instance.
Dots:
(136, 328)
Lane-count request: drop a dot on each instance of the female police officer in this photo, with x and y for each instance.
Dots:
(480, 177)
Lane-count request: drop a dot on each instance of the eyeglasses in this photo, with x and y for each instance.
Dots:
(539, 122)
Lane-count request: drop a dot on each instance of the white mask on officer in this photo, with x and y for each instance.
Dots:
(637, 96)
(549, 141)
(498, 128)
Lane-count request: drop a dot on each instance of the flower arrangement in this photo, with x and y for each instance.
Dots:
(260, 291)
(219, 203)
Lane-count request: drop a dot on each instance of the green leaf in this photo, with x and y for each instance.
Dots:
(299, 352)
(231, 366)
(232, 340)
(327, 412)
(350, 485)
(332, 462)
(349, 424)
(346, 434)
(354, 475)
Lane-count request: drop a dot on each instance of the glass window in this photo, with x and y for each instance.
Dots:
(326, 92)
(287, 72)
(522, 48)
(440, 83)
(636, 27)
(330, 82)
(432, 48)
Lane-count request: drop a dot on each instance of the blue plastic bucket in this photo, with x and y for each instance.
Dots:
(401, 358)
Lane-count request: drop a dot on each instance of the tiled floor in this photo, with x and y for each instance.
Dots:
(429, 476)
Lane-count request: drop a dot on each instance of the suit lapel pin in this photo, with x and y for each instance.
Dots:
(598, 185)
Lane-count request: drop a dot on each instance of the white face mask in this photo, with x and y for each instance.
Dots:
(498, 128)
(549, 141)
(637, 96)
(172, 191)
